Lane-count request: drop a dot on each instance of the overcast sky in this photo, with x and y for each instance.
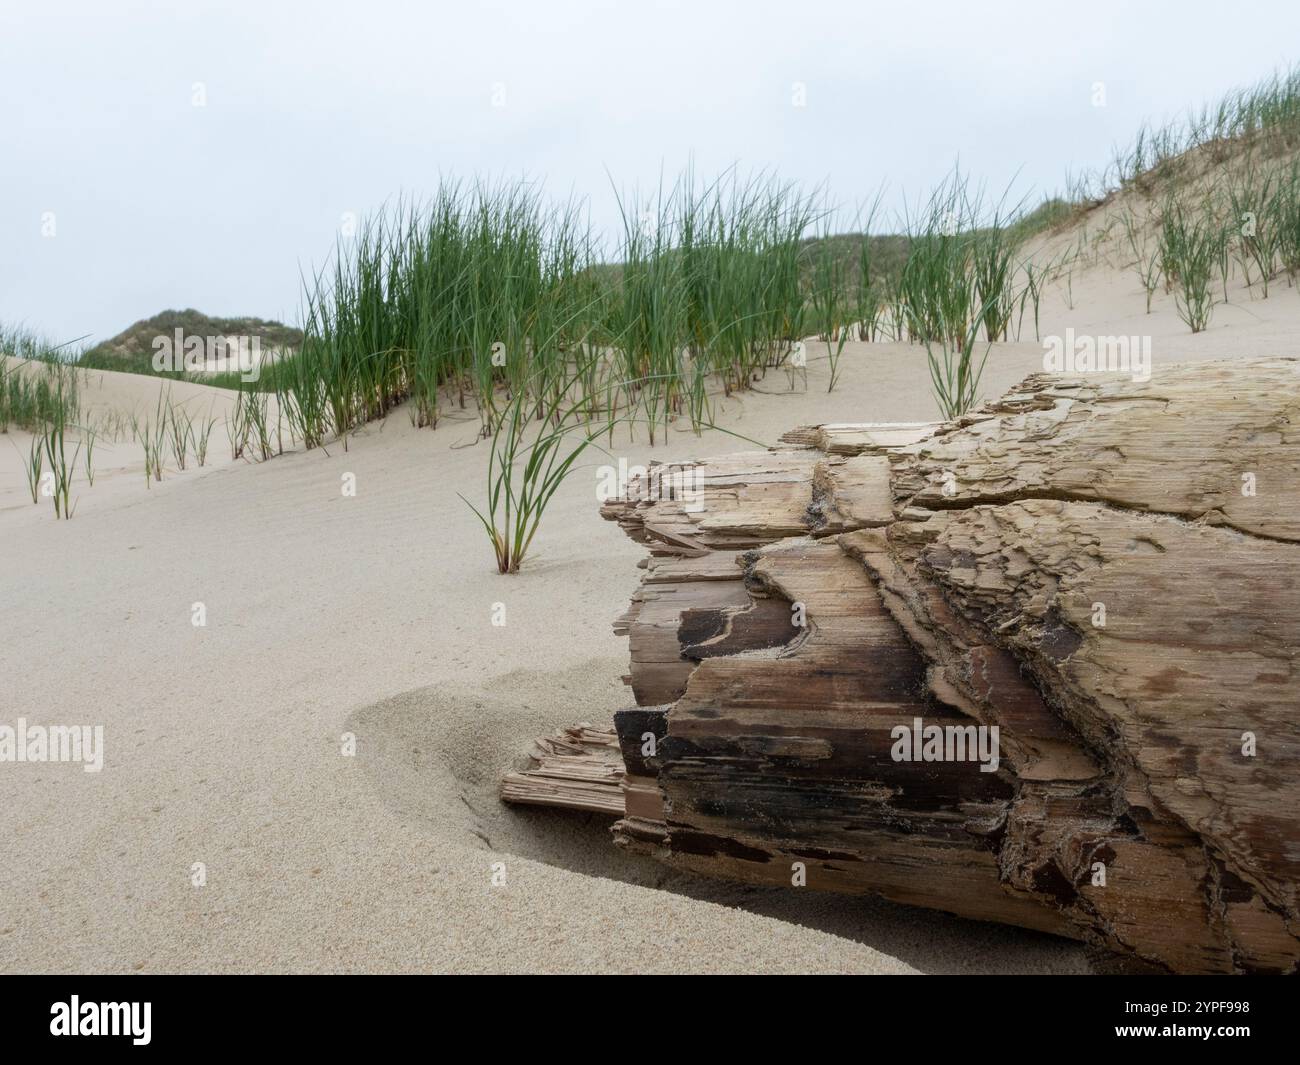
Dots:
(315, 109)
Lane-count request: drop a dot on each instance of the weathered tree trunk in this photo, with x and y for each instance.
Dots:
(1107, 573)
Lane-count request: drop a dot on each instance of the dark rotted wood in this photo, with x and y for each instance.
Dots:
(633, 726)
(763, 624)
(641, 732)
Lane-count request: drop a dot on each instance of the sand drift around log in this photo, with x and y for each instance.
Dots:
(1093, 583)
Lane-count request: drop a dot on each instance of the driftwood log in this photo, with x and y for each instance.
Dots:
(1038, 666)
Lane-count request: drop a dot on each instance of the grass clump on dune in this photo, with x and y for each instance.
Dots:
(447, 302)
(1263, 118)
(37, 383)
(709, 286)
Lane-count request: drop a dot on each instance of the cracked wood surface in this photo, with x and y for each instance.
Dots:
(955, 574)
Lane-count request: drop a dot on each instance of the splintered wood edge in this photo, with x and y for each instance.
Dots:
(578, 768)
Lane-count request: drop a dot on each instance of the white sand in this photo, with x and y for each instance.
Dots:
(372, 615)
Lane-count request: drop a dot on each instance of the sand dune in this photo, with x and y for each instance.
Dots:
(372, 615)
(109, 402)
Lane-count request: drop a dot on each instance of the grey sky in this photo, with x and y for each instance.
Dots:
(316, 109)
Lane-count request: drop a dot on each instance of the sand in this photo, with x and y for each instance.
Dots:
(372, 616)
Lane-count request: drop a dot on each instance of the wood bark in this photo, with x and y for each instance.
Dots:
(1106, 571)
